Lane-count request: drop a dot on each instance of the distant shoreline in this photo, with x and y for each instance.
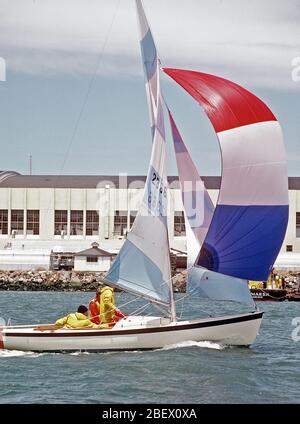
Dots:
(67, 281)
(63, 281)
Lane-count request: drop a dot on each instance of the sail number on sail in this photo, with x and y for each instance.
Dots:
(157, 195)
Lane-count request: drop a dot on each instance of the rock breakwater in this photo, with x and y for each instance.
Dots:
(40, 280)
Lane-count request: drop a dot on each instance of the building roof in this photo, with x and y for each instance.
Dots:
(7, 174)
(14, 180)
(294, 183)
(94, 252)
(91, 181)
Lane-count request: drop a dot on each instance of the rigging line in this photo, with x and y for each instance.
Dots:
(140, 309)
(138, 298)
(157, 306)
(99, 62)
(74, 132)
(130, 301)
(182, 306)
(111, 309)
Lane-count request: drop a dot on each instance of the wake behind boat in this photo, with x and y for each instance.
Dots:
(236, 241)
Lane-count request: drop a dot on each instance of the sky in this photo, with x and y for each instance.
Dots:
(74, 95)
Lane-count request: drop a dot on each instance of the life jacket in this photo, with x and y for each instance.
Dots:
(94, 309)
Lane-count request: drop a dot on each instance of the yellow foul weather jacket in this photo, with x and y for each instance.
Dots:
(75, 320)
(107, 305)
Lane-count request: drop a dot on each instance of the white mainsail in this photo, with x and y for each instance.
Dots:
(151, 64)
(143, 263)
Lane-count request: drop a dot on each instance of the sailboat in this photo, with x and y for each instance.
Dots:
(237, 240)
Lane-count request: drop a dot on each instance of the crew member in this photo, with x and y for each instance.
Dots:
(76, 320)
(109, 313)
(94, 308)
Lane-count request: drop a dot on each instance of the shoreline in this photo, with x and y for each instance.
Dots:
(63, 281)
(89, 281)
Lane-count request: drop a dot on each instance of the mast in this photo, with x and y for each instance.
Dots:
(143, 266)
(172, 303)
(151, 65)
(171, 292)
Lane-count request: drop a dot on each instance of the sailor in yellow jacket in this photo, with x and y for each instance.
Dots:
(76, 320)
(109, 313)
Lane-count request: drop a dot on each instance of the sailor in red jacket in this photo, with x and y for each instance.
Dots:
(94, 308)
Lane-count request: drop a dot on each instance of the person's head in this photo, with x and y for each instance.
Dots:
(82, 310)
(106, 288)
(98, 292)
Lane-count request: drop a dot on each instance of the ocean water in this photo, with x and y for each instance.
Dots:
(267, 372)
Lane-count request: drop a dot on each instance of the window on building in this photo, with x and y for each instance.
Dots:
(3, 221)
(91, 259)
(60, 222)
(92, 223)
(76, 226)
(289, 247)
(120, 223)
(297, 224)
(17, 221)
(179, 223)
(133, 215)
(33, 222)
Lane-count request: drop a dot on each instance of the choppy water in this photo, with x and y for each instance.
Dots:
(268, 372)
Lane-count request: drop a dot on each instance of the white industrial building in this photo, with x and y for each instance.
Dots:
(42, 213)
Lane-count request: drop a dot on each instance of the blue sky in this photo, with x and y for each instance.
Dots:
(74, 92)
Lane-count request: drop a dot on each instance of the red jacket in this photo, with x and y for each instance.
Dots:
(94, 309)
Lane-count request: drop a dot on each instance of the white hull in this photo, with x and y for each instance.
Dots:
(135, 333)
